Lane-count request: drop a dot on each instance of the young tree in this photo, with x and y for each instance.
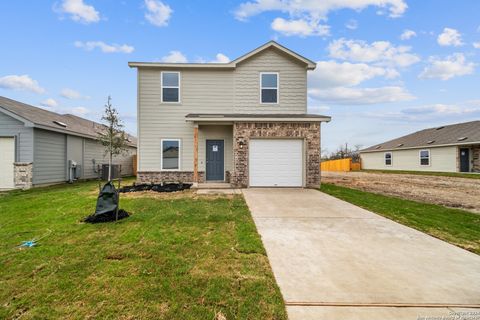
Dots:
(113, 138)
(344, 151)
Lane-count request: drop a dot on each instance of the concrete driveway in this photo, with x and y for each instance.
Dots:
(334, 260)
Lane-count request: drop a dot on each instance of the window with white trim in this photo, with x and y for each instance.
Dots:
(171, 154)
(388, 158)
(424, 157)
(170, 86)
(269, 87)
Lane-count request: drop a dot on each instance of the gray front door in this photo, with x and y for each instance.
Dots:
(464, 160)
(215, 163)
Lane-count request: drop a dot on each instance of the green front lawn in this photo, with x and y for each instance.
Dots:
(174, 258)
(461, 228)
(429, 173)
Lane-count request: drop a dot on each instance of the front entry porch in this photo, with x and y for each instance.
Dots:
(256, 150)
(212, 153)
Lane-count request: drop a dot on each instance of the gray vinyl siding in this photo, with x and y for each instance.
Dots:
(49, 164)
(75, 151)
(95, 155)
(202, 91)
(211, 91)
(24, 137)
(293, 84)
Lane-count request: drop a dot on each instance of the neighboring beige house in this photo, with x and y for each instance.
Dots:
(243, 122)
(39, 147)
(450, 148)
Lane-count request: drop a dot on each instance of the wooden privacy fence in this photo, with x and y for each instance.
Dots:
(340, 165)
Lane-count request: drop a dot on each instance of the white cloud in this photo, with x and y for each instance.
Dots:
(158, 13)
(450, 37)
(330, 74)
(380, 52)
(299, 27)
(305, 15)
(454, 65)
(452, 112)
(352, 24)
(72, 94)
(49, 103)
(105, 48)
(435, 108)
(408, 34)
(174, 57)
(476, 45)
(360, 96)
(79, 11)
(314, 8)
(334, 82)
(23, 82)
(221, 58)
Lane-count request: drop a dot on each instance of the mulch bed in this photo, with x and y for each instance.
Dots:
(167, 187)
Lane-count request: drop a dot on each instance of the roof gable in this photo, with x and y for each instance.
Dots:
(310, 65)
(272, 44)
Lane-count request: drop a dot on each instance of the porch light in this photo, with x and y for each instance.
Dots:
(241, 143)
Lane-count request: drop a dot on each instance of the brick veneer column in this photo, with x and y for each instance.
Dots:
(244, 131)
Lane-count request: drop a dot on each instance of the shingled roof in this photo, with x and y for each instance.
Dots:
(454, 134)
(48, 120)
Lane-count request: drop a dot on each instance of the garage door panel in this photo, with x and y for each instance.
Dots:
(276, 163)
(7, 158)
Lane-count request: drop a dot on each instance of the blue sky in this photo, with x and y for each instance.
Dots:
(385, 67)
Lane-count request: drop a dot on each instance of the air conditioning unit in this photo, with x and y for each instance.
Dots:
(116, 171)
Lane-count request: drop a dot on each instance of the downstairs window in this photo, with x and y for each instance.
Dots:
(171, 154)
(424, 157)
(388, 158)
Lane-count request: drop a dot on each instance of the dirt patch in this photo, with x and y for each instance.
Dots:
(451, 192)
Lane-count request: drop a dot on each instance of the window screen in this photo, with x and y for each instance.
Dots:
(170, 87)
(425, 157)
(269, 87)
(388, 158)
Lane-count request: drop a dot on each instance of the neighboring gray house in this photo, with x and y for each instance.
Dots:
(38, 147)
(450, 148)
(244, 122)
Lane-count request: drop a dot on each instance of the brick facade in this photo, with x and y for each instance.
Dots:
(244, 131)
(173, 176)
(168, 176)
(23, 175)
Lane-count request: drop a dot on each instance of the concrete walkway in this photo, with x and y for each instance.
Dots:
(334, 260)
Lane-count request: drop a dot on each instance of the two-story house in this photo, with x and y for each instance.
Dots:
(244, 122)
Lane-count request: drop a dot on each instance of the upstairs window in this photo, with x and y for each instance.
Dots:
(388, 158)
(171, 154)
(269, 87)
(424, 157)
(170, 86)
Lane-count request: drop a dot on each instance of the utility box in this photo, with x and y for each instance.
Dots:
(116, 171)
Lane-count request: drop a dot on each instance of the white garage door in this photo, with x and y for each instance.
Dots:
(7, 158)
(276, 163)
